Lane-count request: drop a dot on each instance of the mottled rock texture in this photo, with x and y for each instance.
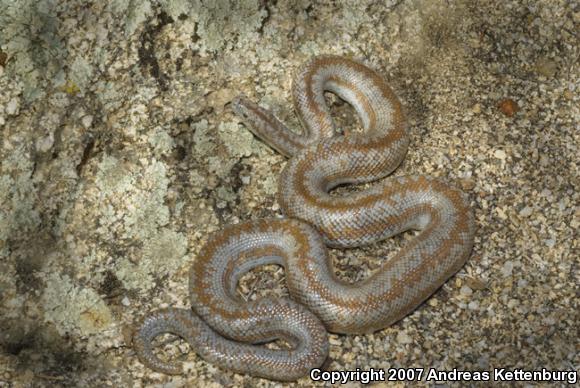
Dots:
(119, 154)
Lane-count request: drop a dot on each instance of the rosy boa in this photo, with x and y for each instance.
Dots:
(227, 331)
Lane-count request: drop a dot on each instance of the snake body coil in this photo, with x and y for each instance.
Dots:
(223, 329)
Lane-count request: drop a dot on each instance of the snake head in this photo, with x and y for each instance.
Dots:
(243, 107)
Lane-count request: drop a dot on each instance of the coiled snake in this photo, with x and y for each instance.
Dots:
(228, 332)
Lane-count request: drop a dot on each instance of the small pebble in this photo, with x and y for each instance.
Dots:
(500, 154)
(87, 121)
(507, 268)
(12, 107)
(465, 291)
(403, 338)
(508, 107)
(546, 67)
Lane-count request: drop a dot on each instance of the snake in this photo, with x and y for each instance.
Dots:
(283, 338)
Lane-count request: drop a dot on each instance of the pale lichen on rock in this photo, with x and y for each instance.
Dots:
(136, 196)
(73, 310)
(161, 255)
(18, 213)
(219, 23)
(161, 141)
(29, 35)
(238, 141)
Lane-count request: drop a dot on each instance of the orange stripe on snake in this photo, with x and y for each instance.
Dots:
(227, 331)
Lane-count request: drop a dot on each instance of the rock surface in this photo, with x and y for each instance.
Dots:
(119, 155)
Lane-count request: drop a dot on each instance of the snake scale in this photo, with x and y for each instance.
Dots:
(229, 332)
